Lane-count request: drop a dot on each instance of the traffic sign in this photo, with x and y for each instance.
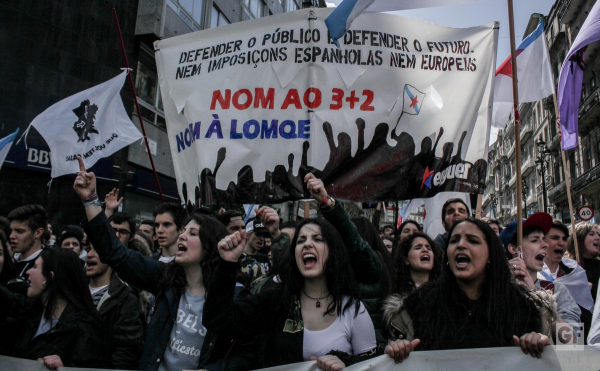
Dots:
(585, 213)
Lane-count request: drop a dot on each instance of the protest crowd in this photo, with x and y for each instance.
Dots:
(189, 290)
(193, 288)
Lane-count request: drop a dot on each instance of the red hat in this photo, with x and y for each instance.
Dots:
(541, 220)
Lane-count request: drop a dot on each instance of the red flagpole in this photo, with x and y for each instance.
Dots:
(137, 106)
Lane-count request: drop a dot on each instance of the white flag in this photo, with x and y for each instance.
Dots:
(92, 124)
(5, 144)
(432, 223)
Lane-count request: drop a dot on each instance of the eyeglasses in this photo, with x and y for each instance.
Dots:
(121, 232)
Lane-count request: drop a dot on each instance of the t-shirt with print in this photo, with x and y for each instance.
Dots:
(187, 336)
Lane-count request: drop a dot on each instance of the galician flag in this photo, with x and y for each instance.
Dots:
(341, 18)
(571, 79)
(534, 74)
(5, 145)
(92, 124)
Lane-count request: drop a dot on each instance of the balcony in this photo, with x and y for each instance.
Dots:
(531, 199)
(589, 110)
(554, 142)
(586, 178)
(557, 191)
(527, 166)
(511, 151)
(525, 133)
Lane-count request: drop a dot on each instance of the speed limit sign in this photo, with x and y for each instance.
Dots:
(585, 213)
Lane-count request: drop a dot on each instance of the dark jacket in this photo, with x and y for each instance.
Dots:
(78, 337)
(119, 310)
(441, 240)
(264, 313)
(144, 272)
(365, 264)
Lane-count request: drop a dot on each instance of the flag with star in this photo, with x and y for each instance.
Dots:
(413, 99)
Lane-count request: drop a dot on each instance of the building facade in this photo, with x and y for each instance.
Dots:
(542, 166)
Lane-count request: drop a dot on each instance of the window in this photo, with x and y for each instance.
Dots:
(583, 92)
(291, 5)
(217, 18)
(257, 8)
(593, 82)
(190, 11)
(147, 89)
(587, 161)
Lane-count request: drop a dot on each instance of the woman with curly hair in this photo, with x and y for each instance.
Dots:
(417, 261)
(175, 337)
(473, 303)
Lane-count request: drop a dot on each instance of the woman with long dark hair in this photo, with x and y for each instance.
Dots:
(58, 323)
(314, 313)
(175, 337)
(474, 302)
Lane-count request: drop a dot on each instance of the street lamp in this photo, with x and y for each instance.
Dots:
(524, 190)
(543, 152)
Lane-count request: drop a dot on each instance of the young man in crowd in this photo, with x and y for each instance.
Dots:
(387, 231)
(28, 225)
(528, 259)
(149, 228)
(454, 209)
(254, 264)
(119, 310)
(124, 227)
(169, 219)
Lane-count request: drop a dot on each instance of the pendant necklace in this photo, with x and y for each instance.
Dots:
(318, 304)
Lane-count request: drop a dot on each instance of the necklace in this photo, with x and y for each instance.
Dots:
(318, 304)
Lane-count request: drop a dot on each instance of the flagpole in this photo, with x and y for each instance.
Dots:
(517, 120)
(137, 106)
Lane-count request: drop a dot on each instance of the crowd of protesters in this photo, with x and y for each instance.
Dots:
(216, 292)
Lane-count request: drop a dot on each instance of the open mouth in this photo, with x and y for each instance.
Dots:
(181, 248)
(558, 253)
(309, 260)
(540, 257)
(462, 260)
(90, 264)
(425, 258)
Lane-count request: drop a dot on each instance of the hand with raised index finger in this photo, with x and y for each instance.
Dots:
(231, 247)
(85, 183)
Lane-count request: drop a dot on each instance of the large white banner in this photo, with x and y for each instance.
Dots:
(400, 111)
(492, 359)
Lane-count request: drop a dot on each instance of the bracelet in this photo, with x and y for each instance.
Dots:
(91, 197)
(328, 203)
(95, 201)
